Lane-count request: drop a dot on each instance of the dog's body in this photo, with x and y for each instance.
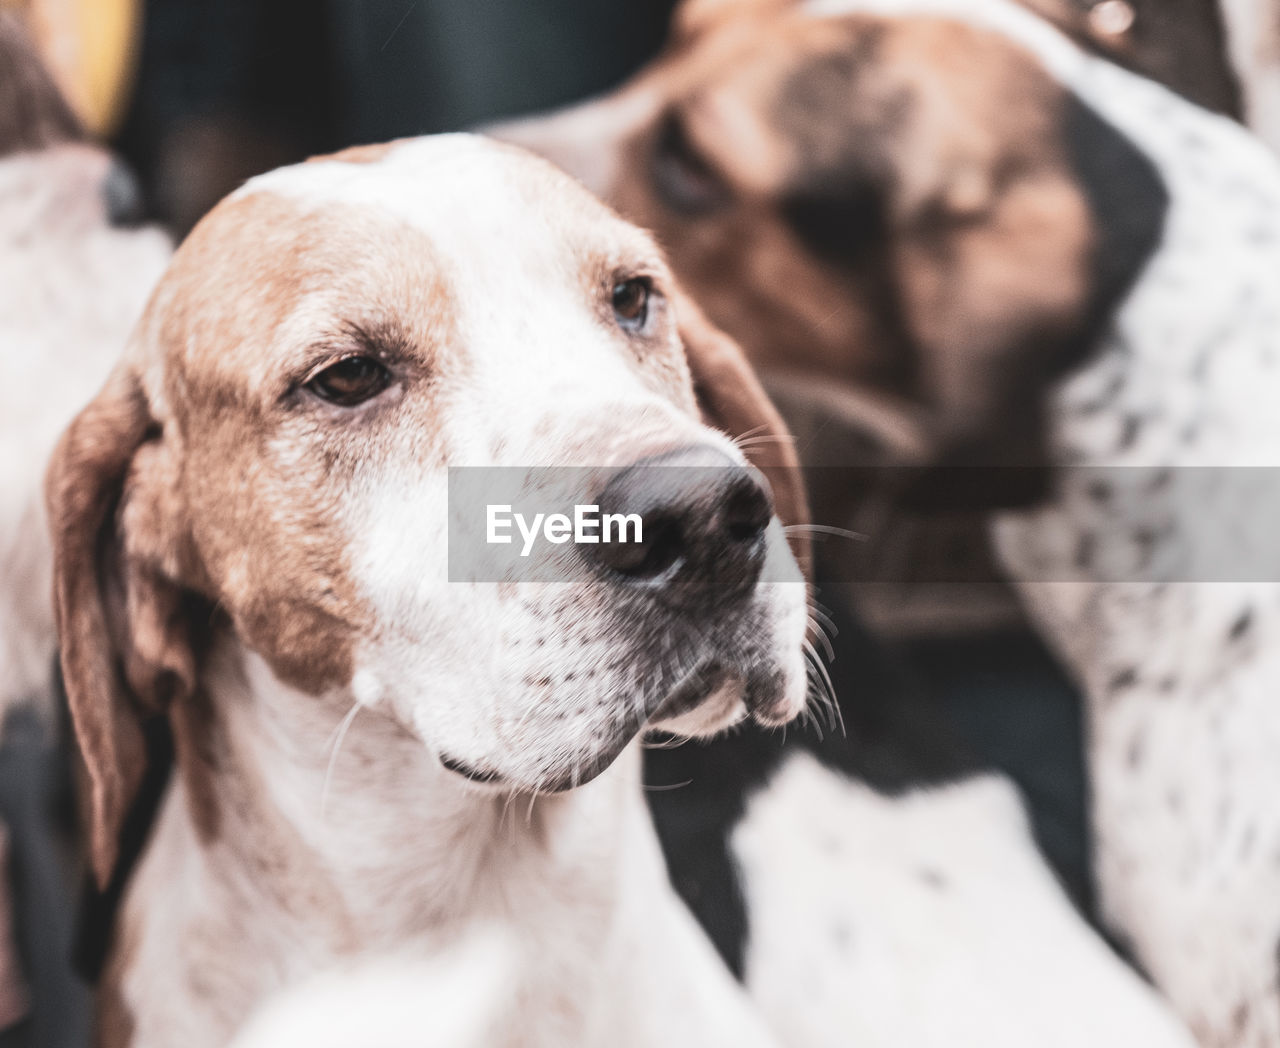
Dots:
(1181, 669)
(260, 492)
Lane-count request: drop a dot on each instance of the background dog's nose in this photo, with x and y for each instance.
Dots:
(704, 518)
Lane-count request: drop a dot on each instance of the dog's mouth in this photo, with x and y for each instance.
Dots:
(470, 771)
(692, 690)
(680, 714)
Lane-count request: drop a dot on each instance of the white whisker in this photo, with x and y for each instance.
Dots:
(826, 529)
(335, 746)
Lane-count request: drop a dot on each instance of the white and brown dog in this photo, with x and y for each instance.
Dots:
(250, 540)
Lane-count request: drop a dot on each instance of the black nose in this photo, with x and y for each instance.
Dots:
(703, 520)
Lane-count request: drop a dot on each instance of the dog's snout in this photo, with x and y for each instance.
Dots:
(702, 522)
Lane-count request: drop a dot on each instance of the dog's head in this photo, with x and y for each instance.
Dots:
(271, 461)
(912, 205)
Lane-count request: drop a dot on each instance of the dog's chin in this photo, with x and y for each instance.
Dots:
(707, 701)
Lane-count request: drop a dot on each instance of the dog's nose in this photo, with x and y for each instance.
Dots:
(703, 519)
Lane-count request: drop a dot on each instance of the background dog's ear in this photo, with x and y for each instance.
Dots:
(732, 399)
(124, 640)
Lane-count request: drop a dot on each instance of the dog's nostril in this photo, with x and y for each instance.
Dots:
(661, 548)
(747, 511)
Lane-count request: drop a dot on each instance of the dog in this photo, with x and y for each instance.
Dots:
(249, 526)
(1040, 243)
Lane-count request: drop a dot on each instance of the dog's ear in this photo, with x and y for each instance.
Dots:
(732, 400)
(125, 641)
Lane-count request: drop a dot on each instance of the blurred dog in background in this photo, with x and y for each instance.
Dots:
(77, 274)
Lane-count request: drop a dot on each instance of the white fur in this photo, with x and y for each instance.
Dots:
(927, 920)
(393, 1002)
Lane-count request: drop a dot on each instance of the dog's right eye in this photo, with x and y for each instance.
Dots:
(350, 381)
(684, 180)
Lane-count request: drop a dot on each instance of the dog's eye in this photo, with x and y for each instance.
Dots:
(351, 381)
(684, 180)
(631, 302)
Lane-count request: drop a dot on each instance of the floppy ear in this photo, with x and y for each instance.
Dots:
(124, 642)
(732, 399)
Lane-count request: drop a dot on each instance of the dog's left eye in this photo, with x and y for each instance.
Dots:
(351, 381)
(631, 302)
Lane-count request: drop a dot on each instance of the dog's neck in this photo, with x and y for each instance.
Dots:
(306, 838)
(367, 802)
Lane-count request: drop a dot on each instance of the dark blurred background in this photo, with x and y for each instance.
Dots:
(228, 88)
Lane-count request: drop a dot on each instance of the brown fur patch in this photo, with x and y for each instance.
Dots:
(250, 457)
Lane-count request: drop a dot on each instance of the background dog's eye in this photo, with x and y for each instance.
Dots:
(684, 180)
(631, 302)
(351, 381)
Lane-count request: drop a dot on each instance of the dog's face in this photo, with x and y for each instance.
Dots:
(275, 452)
(908, 204)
